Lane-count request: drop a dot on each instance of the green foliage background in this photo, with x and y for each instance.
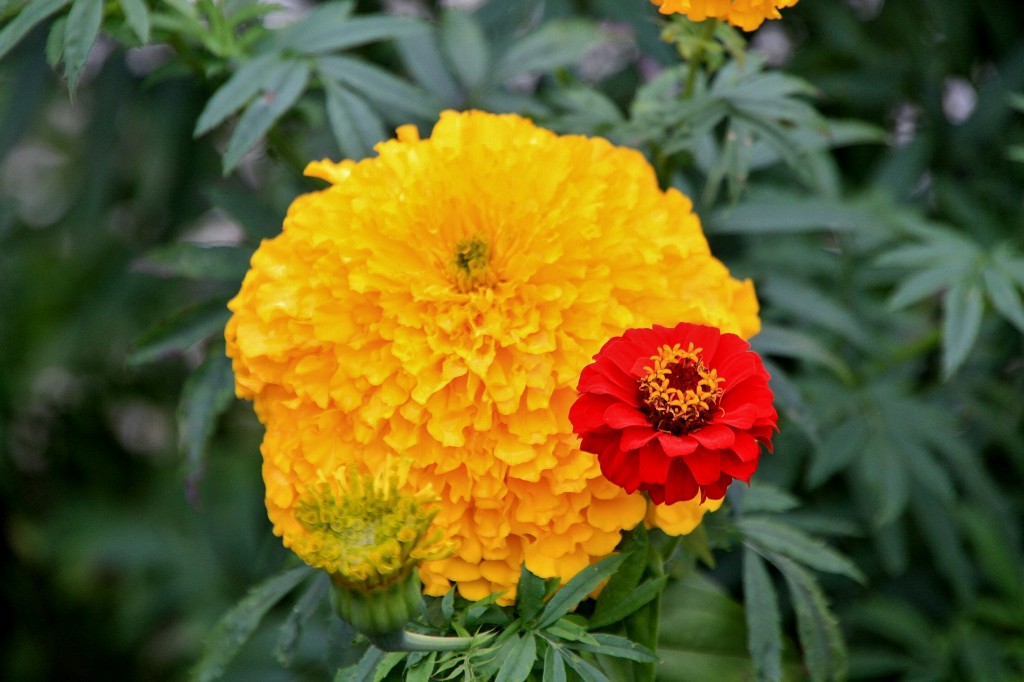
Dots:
(884, 232)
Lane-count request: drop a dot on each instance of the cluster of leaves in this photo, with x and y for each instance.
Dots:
(891, 273)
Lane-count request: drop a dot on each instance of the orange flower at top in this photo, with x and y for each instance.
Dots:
(437, 303)
(677, 412)
(746, 14)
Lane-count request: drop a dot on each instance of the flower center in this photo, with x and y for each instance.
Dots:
(678, 393)
(470, 266)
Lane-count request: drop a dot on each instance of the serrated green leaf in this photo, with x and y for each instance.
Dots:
(363, 671)
(940, 531)
(529, 594)
(288, 634)
(623, 581)
(254, 75)
(789, 343)
(577, 589)
(422, 671)
(206, 394)
(391, 94)
(277, 97)
(1004, 297)
(464, 45)
(235, 628)
(818, 629)
(884, 475)
(55, 41)
(80, 34)
(583, 668)
(765, 497)
(137, 14)
(638, 597)
(567, 630)
(33, 13)
(356, 127)
(791, 216)
(776, 536)
(557, 43)
(180, 332)
(195, 261)
(842, 444)
(618, 647)
(764, 630)
(554, 666)
(422, 57)
(961, 321)
(318, 25)
(518, 660)
(352, 32)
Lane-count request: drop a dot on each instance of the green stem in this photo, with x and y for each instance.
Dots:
(642, 624)
(403, 640)
(696, 61)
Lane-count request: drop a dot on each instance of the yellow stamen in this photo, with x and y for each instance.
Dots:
(678, 390)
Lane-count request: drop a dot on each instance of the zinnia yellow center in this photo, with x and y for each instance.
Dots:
(471, 264)
(678, 391)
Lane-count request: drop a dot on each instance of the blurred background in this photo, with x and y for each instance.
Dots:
(130, 523)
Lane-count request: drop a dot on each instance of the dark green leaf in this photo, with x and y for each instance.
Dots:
(793, 215)
(206, 394)
(615, 610)
(308, 604)
(234, 629)
(254, 75)
(623, 581)
(554, 666)
(80, 33)
(55, 41)
(842, 444)
(578, 589)
(618, 647)
(422, 56)
(195, 261)
(464, 46)
(764, 630)
(34, 12)
(583, 668)
(421, 672)
(518, 660)
(765, 497)
(277, 97)
(962, 311)
(818, 628)
(354, 32)
(1004, 297)
(137, 15)
(390, 93)
(771, 534)
(180, 332)
(317, 26)
(355, 125)
(790, 343)
(363, 671)
(529, 594)
(557, 43)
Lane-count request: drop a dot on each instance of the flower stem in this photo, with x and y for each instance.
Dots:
(403, 640)
(697, 59)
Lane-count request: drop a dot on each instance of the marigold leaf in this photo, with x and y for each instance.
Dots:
(392, 94)
(764, 630)
(236, 92)
(80, 33)
(554, 665)
(789, 343)
(962, 312)
(617, 609)
(586, 670)
(577, 589)
(939, 529)
(318, 25)
(55, 41)
(206, 394)
(33, 13)
(529, 594)
(790, 216)
(518, 660)
(464, 45)
(771, 534)
(422, 56)
(818, 629)
(765, 497)
(1004, 297)
(364, 670)
(618, 647)
(137, 15)
(180, 332)
(355, 32)
(277, 98)
(557, 43)
(885, 475)
(623, 582)
(840, 446)
(355, 125)
(922, 284)
(235, 627)
(196, 261)
(312, 598)
(422, 671)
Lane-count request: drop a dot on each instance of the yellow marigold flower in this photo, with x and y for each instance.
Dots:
(442, 299)
(746, 14)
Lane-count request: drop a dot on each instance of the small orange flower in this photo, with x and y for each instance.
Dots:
(745, 14)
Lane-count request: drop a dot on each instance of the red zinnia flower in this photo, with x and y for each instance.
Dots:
(676, 412)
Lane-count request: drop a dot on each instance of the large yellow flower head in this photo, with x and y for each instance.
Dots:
(746, 14)
(441, 299)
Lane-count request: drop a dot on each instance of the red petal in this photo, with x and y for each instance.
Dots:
(654, 465)
(746, 448)
(706, 465)
(620, 468)
(737, 468)
(587, 413)
(714, 436)
(676, 446)
(680, 485)
(740, 416)
(634, 437)
(619, 416)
